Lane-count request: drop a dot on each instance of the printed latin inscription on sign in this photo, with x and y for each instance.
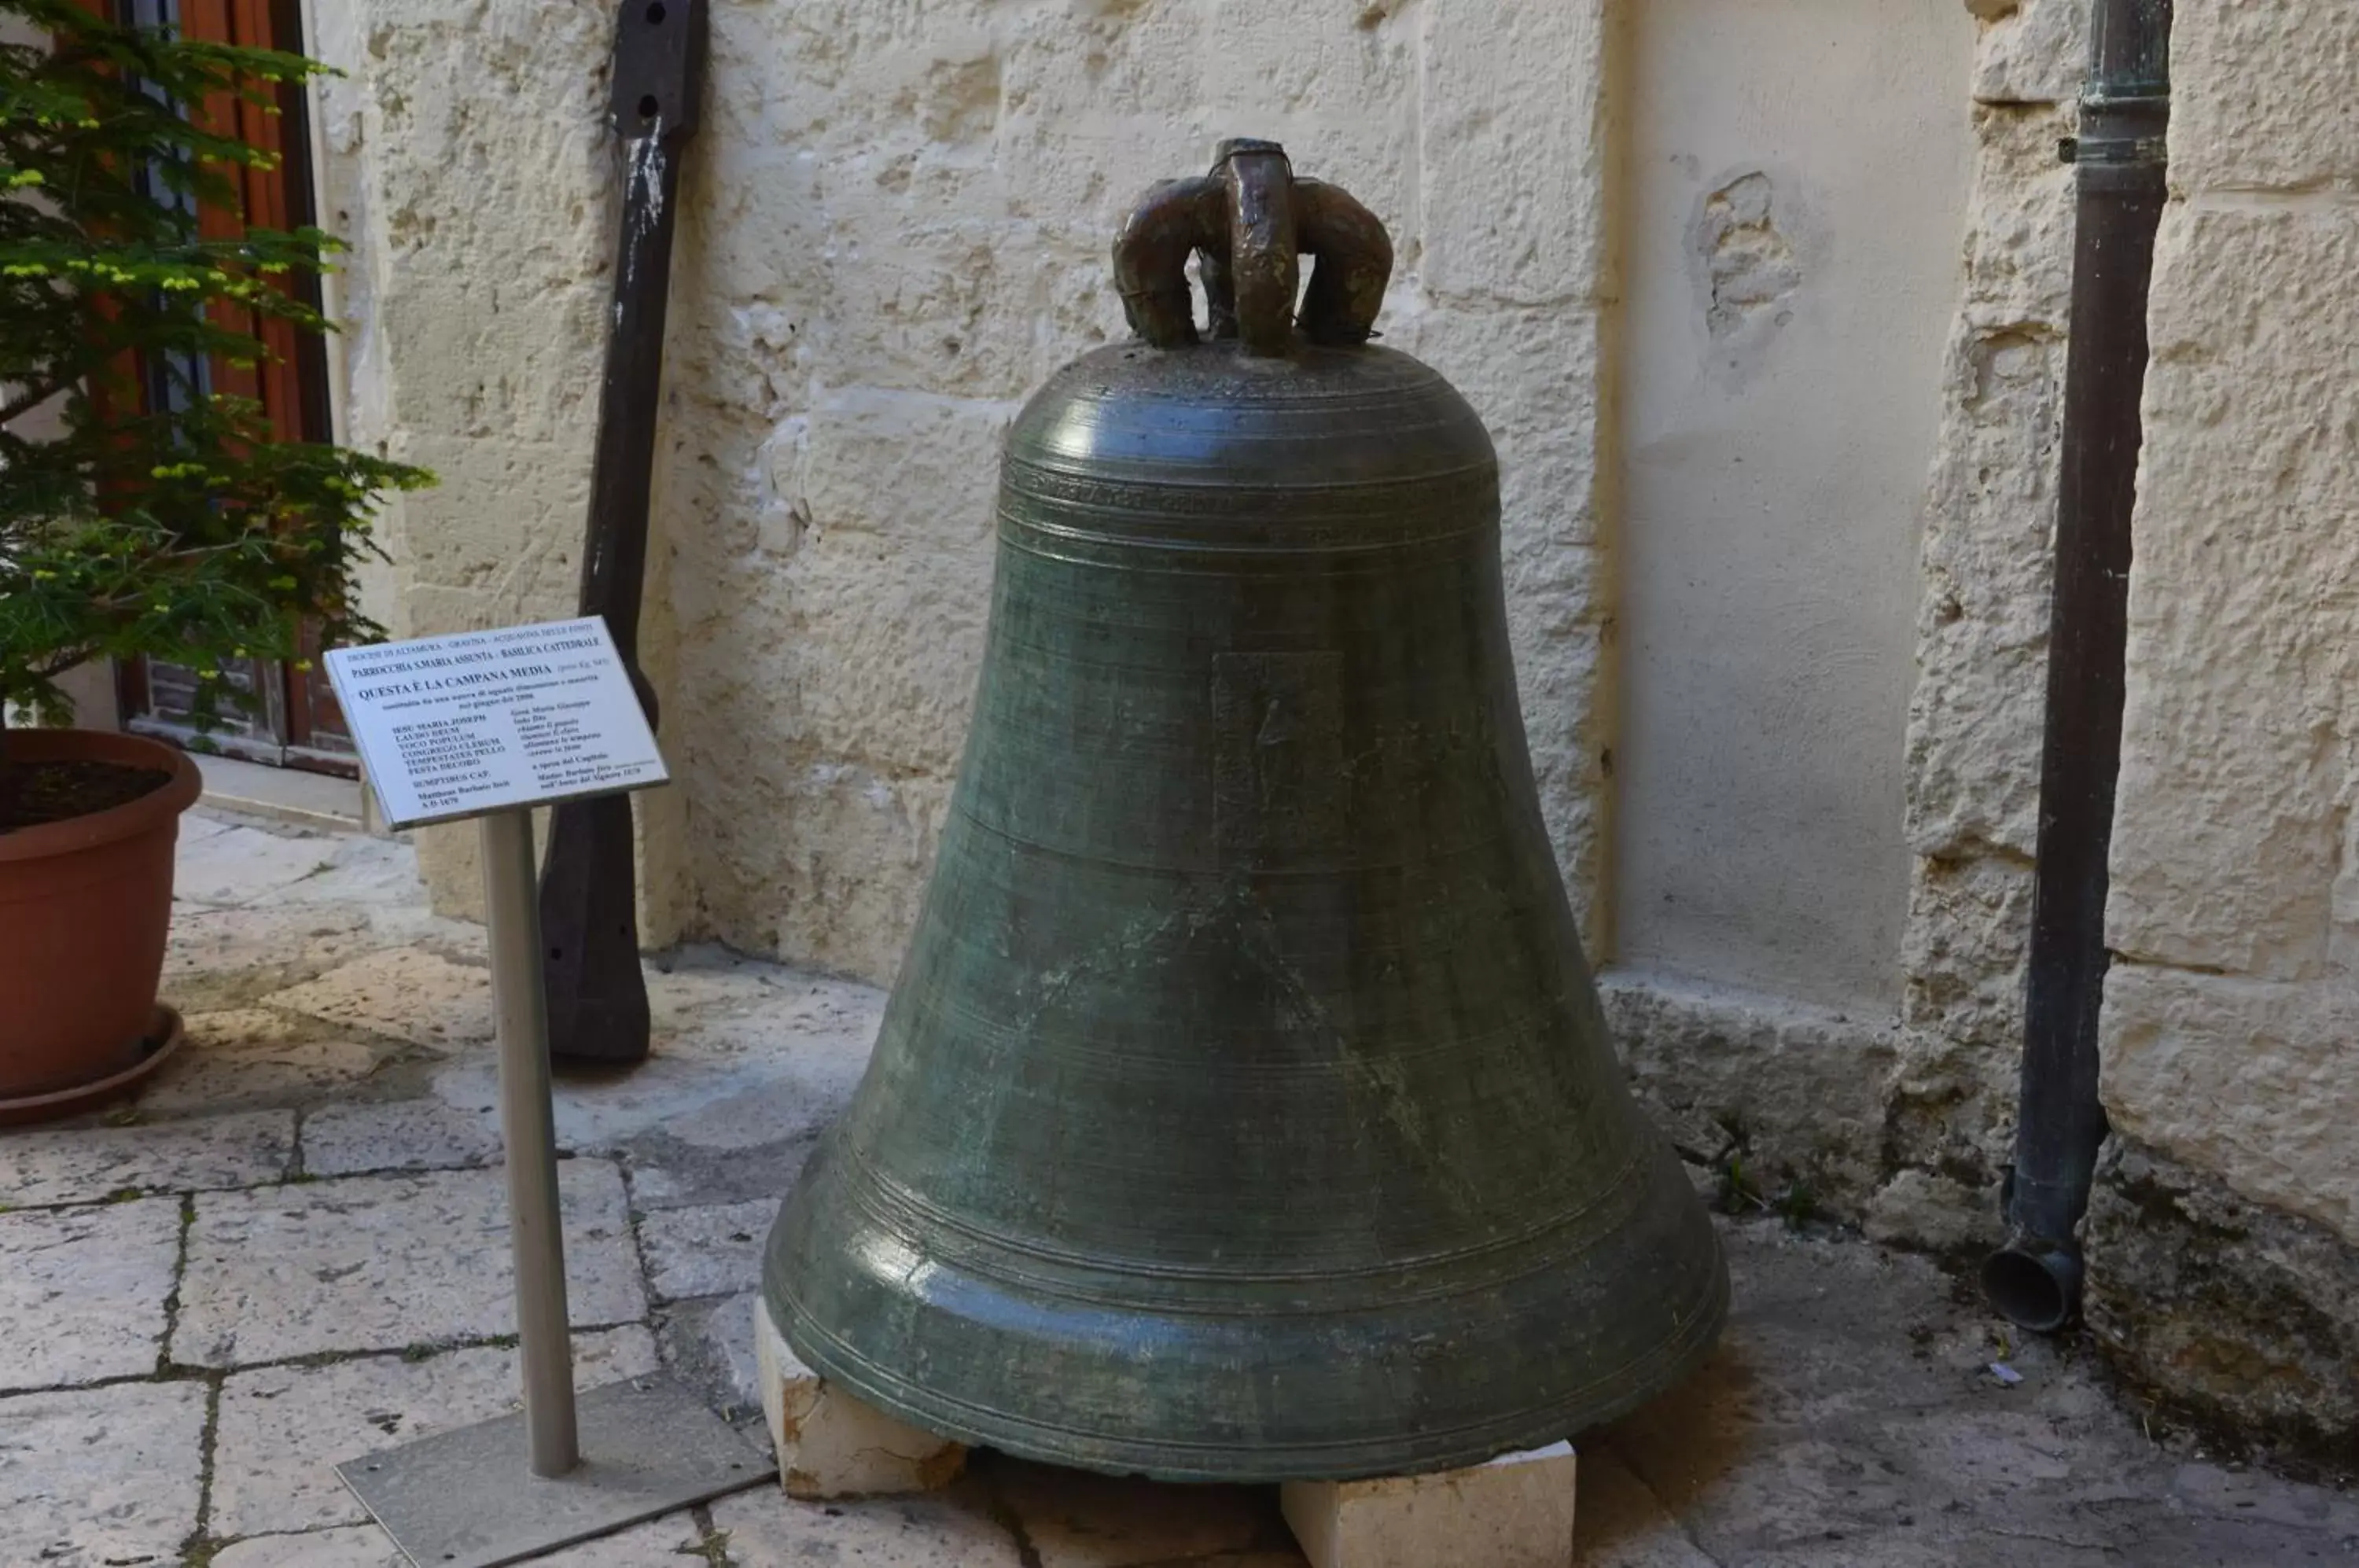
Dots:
(455, 726)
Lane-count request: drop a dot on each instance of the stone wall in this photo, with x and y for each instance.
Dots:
(895, 224)
(1902, 1113)
(1974, 738)
(2232, 1012)
(1798, 175)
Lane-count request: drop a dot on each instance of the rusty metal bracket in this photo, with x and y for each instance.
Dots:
(589, 899)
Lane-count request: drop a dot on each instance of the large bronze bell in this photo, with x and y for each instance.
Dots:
(1243, 1110)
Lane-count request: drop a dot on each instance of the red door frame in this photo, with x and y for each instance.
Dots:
(297, 723)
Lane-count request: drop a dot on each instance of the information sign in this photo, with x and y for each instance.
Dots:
(457, 726)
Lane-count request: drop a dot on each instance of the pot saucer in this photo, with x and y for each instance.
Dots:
(167, 1035)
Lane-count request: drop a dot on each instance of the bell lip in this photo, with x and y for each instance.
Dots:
(1672, 1362)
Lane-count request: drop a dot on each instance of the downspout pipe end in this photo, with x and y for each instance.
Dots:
(2034, 1284)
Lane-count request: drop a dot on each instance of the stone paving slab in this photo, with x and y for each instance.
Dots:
(361, 1546)
(241, 864)
(361, 869)
(405, 992)
(82, 1292)
(1618, 1523)
(384, 1262)
(80, 1165)
(1074, 1519)
(706, 1252)
(767, 1529)
(283, 1430)
(1848, 1416)
(398, 1134)
(244, 1054)
(766, 1086)
(671, 1539)
(709, 1344)
(99, 1477)
(201, 824)
(695, 981)
(209, 945)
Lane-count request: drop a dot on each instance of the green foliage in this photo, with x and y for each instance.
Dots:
(186, 535)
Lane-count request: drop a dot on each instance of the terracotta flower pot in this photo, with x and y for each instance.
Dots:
(85, 905)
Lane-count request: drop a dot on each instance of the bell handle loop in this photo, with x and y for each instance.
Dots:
(1264, 271)
(1250, 221)
(1150, 256)
(1355, 262)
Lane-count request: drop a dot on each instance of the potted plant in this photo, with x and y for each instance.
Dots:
(145, 506)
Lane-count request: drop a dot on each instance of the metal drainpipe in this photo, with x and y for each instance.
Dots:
(2035, 1278)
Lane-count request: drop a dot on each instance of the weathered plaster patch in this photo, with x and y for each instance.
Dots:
(1750, 270)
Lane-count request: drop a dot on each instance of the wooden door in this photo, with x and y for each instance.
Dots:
(293, 720)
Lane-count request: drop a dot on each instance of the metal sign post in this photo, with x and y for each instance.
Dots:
(528, 1130)
(489, 725)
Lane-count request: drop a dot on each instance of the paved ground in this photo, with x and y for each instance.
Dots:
(291, 1252)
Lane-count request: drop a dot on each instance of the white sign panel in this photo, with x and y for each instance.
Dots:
(456, 726)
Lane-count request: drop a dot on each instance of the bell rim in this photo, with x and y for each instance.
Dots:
(1636, 1382)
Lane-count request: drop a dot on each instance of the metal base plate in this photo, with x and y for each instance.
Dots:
(468, 1498)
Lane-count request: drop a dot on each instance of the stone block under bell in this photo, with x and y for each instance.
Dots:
(1243, 1110)
(829, 1444)
(1515, 1511)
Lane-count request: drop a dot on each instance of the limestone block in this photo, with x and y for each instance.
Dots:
(1919, 1209)
(1074, 1518)
(2245, 1312)
(385, 1262)
(737, 1084)
(1514, 1512)
(931, 1531)
(480, 266)
(2229, 827)
(244, 865)
(100, 1475)
(350, 1546)
(1514, 152)
(77, 1165)
(832, 1445)
(2259, 97)
(282, 1431)
(1981, 627)
(2247, 1080)
(398, 1134)
(250, 1053)
(710, 1251)
(891, 585)
(839, 891)
(2034, 52)
(504, 522)
(1336, 84)
(405, 993)
(1533, 376)
(208, 942)
(83, 1290)
(1801, 1089)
